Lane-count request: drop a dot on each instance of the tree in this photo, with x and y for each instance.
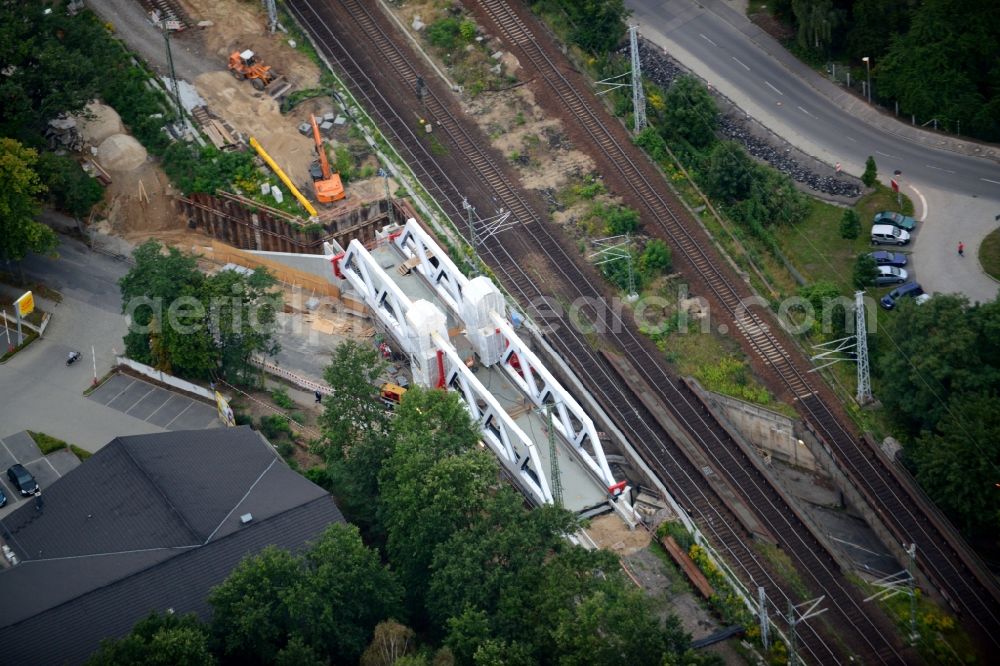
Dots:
(938, 351)
(298, 653)
(346, 594)
(436, 481)
(253, 609)
(620, 220)
(958, 464)
(242, 319)
(690, 113)
(850, 224)
(730, 173)
(70, 188)
(193, 325)
(19, 232)
(158, 640)
(355, 426)
(817, 22)
(865, 271)
(392, 640)
(596, 25)
(871, 172)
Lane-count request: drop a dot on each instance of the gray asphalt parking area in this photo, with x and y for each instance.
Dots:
(155, 405)
(21, 448)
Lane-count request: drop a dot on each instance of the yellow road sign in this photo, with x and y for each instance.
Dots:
(26, 304)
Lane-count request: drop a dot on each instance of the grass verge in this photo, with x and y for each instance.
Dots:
(82, 454)
(47, 443)
(989, 254)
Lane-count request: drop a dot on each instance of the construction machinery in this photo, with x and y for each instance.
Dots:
(327, 184)
(245, 65)
(391, 394)
(284, 177)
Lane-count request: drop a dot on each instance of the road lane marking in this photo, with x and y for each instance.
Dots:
(895, 157)
(990, 181)
(931, 166)
(774, 89)
(923, 204)
(851, 138)
(806, 112)
(740, 62)
(707, 39)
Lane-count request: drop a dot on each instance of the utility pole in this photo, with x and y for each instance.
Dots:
(173, 74)
(864, 395)
(388, 200)
(272, 15)
(912, 590)
(765, 624)
(555, 482)
(616, 248)
(470, 211)
(638, 95)
(794, 619)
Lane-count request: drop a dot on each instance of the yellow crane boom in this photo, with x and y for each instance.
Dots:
(281, 174)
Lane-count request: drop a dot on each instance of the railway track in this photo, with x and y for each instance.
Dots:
(941, 553)
(677, 471)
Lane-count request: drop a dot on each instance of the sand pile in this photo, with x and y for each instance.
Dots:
(102, 123)
(120, 152)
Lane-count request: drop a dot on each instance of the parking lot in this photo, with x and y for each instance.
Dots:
(21, 448)
(155, 405)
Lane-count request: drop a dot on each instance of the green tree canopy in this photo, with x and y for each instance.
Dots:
(958, 464)
(870, 176)
(865, 271)
(70, 188)
(730, 173)
(690, 113)
(595, 25)
(158, 640)
(356, 439)
(20, 233)
(939, 350)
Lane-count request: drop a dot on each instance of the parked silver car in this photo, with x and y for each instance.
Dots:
(890, 275)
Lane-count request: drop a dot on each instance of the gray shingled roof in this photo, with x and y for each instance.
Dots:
(148, 523)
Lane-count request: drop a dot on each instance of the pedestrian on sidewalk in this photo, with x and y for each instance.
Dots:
(319, 396)
(961, 249)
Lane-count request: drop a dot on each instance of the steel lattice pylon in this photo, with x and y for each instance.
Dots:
(638, 95)
(861, 334)
(272, 15)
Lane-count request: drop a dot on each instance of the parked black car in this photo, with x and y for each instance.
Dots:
(23, 479)
(3, 497)
(910, 289)
(887, 258)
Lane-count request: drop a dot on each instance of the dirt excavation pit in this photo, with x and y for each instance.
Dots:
(120, 152)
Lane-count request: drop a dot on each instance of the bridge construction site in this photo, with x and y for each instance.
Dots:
(585, 411)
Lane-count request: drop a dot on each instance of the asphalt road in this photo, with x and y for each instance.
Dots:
(956, 194)
(134, 27)
(37, 390)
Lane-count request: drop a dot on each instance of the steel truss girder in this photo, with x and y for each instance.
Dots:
(575, 426)
(504, 437)
(435, 264)
(382, 295)
(572, 422)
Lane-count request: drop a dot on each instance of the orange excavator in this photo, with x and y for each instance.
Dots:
(327, 184)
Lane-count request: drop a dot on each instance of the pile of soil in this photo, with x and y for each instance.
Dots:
(121, 152)
(98, 122)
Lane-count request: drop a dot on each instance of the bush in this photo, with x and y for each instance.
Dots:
(275, 426)
(655, 258)
(621, 220)
(285, 449)
(850, 224)
(447, 34)
(865, 271)
(871, 172)
(282, 399)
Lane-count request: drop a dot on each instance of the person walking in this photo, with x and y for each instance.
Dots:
(961, 249)
(319, 396)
